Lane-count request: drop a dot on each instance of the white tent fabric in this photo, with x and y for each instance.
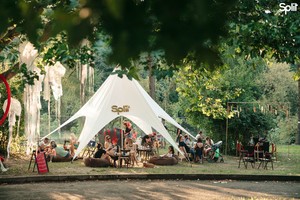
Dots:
(121, 93)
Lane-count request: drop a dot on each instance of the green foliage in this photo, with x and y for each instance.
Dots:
(277, 85)
(285, 131)
(134, 26)
(258, 28)
(205, 91)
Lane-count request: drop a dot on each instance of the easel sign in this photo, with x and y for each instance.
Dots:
(41, 163)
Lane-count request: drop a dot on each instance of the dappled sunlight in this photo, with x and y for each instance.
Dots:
(153, 190)
(287, 164)
(65, 196)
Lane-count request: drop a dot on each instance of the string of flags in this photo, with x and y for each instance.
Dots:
(275, 108)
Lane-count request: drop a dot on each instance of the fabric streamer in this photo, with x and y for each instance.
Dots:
(31, 96)
(15, 110)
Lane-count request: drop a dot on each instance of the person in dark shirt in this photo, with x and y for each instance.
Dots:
(100, 151)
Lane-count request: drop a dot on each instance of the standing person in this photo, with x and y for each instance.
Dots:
(73, 144)
(200, 135)
(127, 132)
(134, 134)
(178, 136)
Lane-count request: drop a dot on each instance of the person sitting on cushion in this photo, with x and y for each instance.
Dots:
(101, 153)
(58, 151)
(170, 153)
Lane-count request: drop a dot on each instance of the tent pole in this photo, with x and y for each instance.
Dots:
(122, 139)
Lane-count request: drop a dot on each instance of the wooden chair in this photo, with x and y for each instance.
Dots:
(267, 158)
(247, 156)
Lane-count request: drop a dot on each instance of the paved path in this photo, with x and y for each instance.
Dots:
(155, 189)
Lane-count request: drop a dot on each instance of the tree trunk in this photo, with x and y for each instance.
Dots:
(11, 72)
(298, 134)
(151, 77)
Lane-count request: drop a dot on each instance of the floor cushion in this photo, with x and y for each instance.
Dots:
(96, 162)
(163, 160)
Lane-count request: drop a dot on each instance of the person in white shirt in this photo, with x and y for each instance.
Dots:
(200, 135)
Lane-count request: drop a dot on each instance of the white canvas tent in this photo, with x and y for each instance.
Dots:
(121, 97)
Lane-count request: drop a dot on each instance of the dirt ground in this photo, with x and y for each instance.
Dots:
(161, 189)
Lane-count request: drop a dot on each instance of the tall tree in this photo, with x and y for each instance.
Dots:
(266, 29)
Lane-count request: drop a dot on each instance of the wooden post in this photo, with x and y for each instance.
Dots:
(227, 114)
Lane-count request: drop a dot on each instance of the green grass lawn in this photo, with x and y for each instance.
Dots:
(288, 163)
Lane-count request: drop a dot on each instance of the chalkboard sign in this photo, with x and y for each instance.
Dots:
(41, 163)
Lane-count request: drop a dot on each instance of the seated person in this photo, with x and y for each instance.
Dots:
(187, 140)
(208, 144)
(44, 145)
(57, 151)
(184, 147)
(101, 153)
(110, 149)
(132, 151)
(171, 153)
(198, 150)
(167, 159)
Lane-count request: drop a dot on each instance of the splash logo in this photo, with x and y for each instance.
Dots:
(287, 8)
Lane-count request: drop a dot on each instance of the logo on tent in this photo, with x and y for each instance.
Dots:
(118, 110)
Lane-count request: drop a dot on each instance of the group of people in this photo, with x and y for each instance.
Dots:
(52, 150)
(111, 151)
(197, 149)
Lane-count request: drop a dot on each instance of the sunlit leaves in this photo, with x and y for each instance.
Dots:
(204, 91)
